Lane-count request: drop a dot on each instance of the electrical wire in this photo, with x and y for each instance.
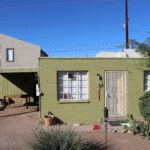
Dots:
(85, 49)
(51, 4)
(147, 32)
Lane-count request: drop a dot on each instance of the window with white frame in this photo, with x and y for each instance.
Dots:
(147, 80)
(10, 54)
(73, 85)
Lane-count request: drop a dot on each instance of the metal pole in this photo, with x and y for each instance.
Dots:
(106, 123)
(106, 131)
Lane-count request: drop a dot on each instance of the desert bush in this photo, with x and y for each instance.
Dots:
(57, 139)
(144, 104)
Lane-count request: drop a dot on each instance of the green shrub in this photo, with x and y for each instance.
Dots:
(144, 104)
(57, 139)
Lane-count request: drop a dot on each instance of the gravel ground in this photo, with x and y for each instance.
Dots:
(17, 130)
(118, 141)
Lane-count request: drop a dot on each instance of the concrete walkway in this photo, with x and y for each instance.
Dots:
(85, 128)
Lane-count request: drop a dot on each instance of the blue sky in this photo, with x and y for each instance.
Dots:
(75, 28)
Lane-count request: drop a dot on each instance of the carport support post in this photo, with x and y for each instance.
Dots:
(26, 102)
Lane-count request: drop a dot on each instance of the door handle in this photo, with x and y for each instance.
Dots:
(107, 94)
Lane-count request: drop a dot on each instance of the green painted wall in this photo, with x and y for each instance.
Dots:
(92, 111)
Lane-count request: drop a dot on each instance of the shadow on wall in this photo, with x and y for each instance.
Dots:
(23, 81)
(57, 121)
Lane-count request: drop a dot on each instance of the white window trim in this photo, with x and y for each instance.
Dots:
(146, 87)
(10, 56)
(77, 86)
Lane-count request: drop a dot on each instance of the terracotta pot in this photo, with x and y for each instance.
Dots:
(48, 121)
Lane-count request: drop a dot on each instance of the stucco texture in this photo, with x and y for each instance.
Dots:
(92, 110)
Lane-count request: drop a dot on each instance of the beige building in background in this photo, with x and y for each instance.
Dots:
(18, 68)
(15, 53)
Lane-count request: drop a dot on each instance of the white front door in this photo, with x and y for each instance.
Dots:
(115, 93)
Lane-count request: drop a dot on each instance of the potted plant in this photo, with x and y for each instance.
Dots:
(48, 119)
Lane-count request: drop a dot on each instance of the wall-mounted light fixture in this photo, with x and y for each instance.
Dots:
(99, 77)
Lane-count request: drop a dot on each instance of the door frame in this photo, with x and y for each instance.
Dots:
(105, 95)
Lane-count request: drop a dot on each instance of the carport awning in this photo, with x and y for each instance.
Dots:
(19, 70)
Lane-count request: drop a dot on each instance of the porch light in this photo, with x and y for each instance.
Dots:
(99, 77)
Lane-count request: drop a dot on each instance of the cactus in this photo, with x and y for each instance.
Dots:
(126, 127)
(132, 125)
(141, 128)
(138, 127)
(147, 128)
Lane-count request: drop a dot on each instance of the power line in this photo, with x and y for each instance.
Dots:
(71, 22)
(147, 32)
(145, 21)
(87, 49)
(51, 4)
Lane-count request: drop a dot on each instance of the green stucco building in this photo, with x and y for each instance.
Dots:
(77, 90)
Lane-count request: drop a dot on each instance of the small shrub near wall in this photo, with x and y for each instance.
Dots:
(144, 104)
(59, 139)
(56, 139)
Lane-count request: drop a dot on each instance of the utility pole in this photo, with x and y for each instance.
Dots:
(126, 24)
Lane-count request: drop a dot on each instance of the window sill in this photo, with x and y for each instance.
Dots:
(10, 61)
(73, 101)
